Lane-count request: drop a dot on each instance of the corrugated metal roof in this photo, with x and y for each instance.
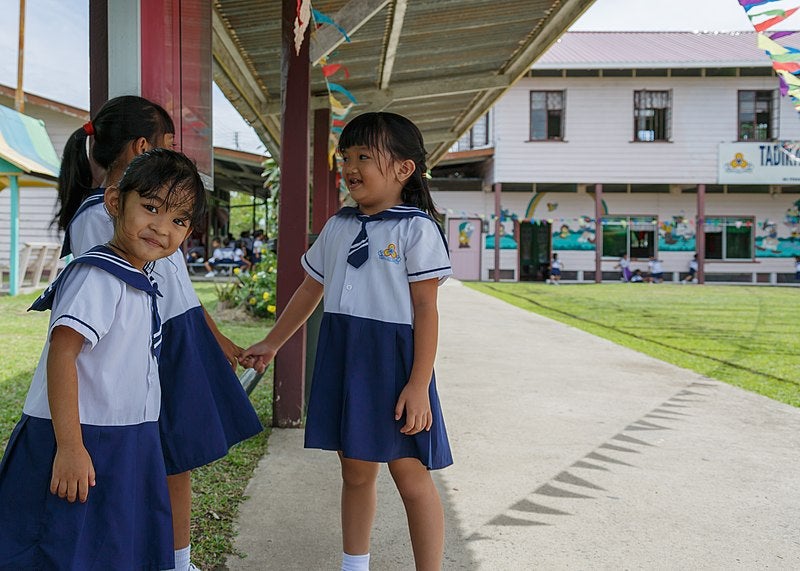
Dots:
(453, 60)
(624, 50)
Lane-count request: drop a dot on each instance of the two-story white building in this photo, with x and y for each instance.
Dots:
(627, 128)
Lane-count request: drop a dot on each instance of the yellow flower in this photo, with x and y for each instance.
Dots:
(266, 295)
(252, 301)
(271, 308)
(236, 271)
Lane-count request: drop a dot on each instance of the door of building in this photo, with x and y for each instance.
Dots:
(464, 237)
(534, 251)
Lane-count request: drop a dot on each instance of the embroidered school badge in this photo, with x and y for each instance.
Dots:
(389, 254)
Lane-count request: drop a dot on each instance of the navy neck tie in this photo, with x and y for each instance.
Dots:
(359, 249)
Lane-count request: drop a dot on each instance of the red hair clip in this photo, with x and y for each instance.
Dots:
(88, 128)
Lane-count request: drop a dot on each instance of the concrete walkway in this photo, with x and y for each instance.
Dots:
(571, 453)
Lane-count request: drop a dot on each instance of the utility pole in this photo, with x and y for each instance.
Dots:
(19, 95)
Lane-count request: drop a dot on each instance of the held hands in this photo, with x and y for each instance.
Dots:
(232, 350)
(414, 400)
(258, 356)
(73, 473)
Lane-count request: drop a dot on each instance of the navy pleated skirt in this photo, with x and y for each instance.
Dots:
(204, 409)
(126, 523)
(361, 367)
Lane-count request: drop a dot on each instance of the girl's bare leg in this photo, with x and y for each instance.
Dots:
(359, 501)
(423, 510)
(180, 497)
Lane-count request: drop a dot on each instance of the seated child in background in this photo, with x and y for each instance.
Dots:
(224, 254)
(258, 244)
(636, 277)
(692, 271)
(656, 271)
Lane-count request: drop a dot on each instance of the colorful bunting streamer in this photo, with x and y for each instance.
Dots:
(321, 18)
(339, 111)
(785, 59)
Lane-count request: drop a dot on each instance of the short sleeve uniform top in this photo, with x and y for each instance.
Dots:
(117, 368)
(402, 249)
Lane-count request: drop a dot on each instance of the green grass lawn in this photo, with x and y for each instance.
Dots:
(217, 489)
(745, 336)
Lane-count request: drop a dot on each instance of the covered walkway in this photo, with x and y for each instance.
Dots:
(571, 453)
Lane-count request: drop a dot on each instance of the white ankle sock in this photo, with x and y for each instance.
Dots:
(182, 558)
(355, 562)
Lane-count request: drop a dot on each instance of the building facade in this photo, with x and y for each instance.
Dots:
(644, 138)
(38, 204)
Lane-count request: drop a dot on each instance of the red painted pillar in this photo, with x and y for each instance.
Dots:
(598, 233)
(700, 233)
(320, 204)
(498, 189)
(292, 216)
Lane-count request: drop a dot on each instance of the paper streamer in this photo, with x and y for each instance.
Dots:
(785, 59)
(321, 18)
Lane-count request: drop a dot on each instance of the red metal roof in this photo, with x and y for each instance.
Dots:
(617, 50)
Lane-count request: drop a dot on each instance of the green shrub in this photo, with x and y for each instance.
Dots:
(256, 292)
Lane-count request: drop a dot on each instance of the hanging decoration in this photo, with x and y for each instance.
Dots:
(785, 59)
(336, 92)
(301, 20)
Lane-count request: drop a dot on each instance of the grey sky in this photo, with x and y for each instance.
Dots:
(57, 46)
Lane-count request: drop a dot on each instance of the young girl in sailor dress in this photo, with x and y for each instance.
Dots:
(373, 397)
(204, 409)
(82, 482)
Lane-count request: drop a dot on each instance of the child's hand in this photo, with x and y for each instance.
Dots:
(258, 356)
(414, 400)
(231, 349)
(73, 474)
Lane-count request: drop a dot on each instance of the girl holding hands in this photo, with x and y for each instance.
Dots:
(89, 430)
(373, 398)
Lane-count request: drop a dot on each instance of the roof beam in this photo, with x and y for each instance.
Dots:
(351, 17)
(410, 90)
(390, 52)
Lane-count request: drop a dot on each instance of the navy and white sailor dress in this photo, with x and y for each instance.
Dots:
(126, 522)
(204, 409)
(366, 342)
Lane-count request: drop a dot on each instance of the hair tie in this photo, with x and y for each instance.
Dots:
(88, 128)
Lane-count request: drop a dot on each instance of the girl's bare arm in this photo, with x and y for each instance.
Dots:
(73, 471)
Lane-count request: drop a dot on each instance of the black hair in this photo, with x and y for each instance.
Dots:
(400, 140)
(120, 121)
(158, 169)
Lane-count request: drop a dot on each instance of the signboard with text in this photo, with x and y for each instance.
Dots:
(766, 162)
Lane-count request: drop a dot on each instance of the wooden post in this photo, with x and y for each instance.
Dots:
(598, 233)
(14, 277)
(320, 208)
(498, 189)
(98, 54)
(289, 384)
(700, 233)
(19, 94)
